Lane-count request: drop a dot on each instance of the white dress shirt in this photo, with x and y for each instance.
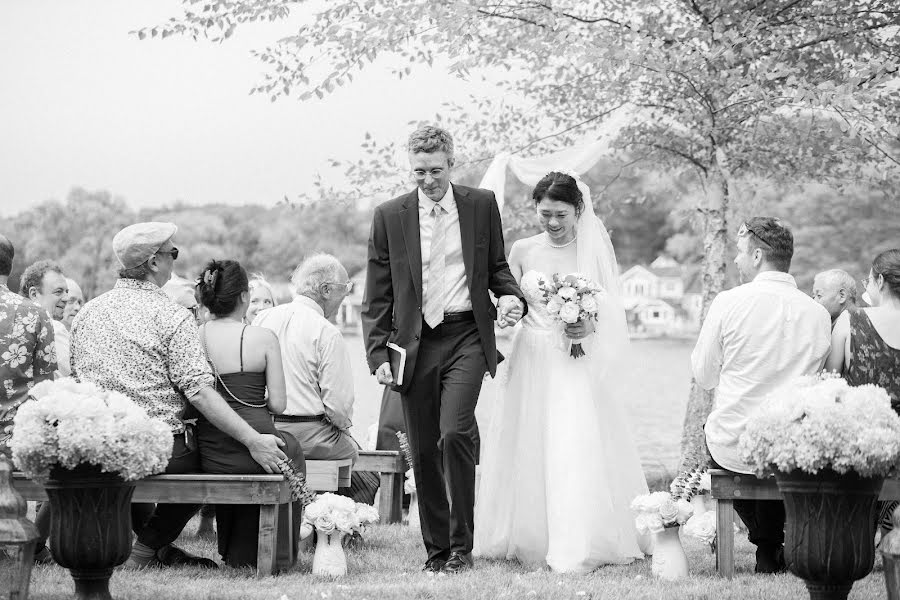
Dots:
(456, 289)
(61, 338)
(756, 337)
(317, 368)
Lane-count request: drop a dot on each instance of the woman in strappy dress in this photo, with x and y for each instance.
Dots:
(246, 362)
(865, 343)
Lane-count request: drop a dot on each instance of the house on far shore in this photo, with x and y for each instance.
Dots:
(663, 298)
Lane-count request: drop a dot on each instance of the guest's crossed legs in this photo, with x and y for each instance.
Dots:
(440, 414)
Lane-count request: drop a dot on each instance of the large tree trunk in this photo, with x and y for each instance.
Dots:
(715, 244)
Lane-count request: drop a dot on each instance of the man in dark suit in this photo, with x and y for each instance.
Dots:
(434, 254)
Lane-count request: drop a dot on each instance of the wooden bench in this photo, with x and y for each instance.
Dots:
(269, 491)
(727, 486)
(391, 465)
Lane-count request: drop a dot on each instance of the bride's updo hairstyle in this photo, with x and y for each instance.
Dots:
(220, 285)
(560, 187)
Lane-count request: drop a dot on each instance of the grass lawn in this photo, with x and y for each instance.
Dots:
(387, 568)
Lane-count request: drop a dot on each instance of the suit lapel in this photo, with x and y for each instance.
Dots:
(409, 221)
(465, 206)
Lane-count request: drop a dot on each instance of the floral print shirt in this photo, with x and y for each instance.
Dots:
(872, 360)
(135, 340)
(27, 354)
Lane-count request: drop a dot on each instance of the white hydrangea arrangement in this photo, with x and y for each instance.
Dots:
(659, 510)
(820, 422)
(67, 424)
(330, 513)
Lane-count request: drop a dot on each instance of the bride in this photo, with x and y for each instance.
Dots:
(560, 467)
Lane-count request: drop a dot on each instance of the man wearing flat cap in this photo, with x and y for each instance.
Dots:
(134, 339)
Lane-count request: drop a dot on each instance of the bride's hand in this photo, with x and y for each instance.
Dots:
(579, 330)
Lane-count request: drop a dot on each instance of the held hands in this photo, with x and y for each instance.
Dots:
(266, 450)
(579, 330)
(510, 311)
(383, 374)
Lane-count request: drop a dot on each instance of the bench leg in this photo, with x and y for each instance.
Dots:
(268, 531)
(725, 538)
(390, 503)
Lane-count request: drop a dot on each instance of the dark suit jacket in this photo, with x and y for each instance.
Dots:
(392, 304)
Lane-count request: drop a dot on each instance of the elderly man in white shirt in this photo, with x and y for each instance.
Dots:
(317, 366)
(755, 338)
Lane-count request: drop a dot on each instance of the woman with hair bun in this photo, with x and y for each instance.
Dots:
(246, 362)
(865, 343)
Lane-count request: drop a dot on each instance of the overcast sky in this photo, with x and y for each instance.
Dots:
(86, 104)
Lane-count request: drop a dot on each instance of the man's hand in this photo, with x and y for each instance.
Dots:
(579, 330)
(266, 450)
(383, 374)
(510, 311)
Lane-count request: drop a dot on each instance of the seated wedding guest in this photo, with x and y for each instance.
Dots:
(246, 362)
(261, 297)
(74, 304)
(45, 284)
(836, 291)
(133, 339)
(27, 348)
(865, 343)
(317, 366)
(755, 338)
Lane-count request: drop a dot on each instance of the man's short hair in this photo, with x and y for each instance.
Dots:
(314, 271)
(7, 253)
(431, 139)
(773, 237)
(843, 279)
(34, 275)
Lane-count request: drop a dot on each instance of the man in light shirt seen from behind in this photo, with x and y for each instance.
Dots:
(755, 338)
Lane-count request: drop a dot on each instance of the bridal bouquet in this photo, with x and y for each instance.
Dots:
(330, 513)
(69, 424)
(820, 422)
(571, 299)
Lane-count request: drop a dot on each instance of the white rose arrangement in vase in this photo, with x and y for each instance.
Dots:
(660, 515)
(333, 517)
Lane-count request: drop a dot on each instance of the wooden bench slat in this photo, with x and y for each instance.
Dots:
(381, 461)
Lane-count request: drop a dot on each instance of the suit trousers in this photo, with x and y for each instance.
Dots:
(439, 407)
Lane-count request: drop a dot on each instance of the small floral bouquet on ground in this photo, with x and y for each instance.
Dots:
(694, 486)
(571, 299)
(820, 422)
(330, 514)
(659, 510)
(68, 424)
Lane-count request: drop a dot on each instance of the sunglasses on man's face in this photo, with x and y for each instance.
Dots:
(748, 230)
(173, 253)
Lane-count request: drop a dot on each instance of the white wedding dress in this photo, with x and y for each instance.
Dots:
(559, 465)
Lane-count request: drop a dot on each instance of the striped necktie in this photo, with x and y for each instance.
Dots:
(434, 296)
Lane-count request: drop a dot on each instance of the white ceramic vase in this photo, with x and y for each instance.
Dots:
(329, 559)
(669, 560)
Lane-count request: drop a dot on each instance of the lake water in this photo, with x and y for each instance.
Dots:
(655, 391)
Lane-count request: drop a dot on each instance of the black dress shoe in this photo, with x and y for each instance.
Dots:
(770, 560)
(458, 562)
(433, 565)
(173, 556)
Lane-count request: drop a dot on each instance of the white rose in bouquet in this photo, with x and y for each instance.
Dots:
(569, 312)
(325, 524)
(313, 511)
(647, 523)
(346, 522)
(567, 293)
(588, 304)
(366, 513)
(702, 527)
(668, 512)
(554, 304)
(685, 511)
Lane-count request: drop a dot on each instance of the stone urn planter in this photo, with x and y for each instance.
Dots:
(329, 559)
(90, 526)
(829, 529)
(669, 560)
